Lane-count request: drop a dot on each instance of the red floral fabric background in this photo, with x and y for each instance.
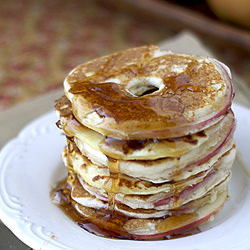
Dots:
(41, 41)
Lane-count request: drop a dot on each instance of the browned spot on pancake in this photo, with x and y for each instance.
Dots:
(134, 224)
(202, 133)
(126, 146)
(190, 140)
(98, 177)
(63, 106)
(86, 211)
(58, 124)
(187, 138)
(79, 191)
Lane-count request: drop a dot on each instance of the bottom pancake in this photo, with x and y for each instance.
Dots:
(119, 221)
(174, 222)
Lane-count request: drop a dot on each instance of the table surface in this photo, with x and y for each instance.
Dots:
(41, 41)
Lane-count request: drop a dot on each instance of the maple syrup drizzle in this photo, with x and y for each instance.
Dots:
(113, 181)
(182, 82)
(109, 224)
(110, 99)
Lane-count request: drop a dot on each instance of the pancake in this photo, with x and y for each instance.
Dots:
(132, 149)
(219, 140)
(149, 143)
(108, 93)
(175, 195)
(148, 229)
(84, 198)
(139, 223)
(170, 168)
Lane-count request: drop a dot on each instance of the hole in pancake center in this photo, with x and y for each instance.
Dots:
(144, 86)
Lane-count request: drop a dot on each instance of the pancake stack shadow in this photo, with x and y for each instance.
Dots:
(149, 143)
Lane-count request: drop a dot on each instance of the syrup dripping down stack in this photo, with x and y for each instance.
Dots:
(149, 141)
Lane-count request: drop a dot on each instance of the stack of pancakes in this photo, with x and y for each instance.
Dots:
(149, 141)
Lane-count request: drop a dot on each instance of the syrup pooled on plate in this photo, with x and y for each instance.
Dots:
(108, 223)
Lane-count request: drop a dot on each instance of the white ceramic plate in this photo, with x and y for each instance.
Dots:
(31, 164)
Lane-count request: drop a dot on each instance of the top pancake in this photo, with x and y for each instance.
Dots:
(143, 93)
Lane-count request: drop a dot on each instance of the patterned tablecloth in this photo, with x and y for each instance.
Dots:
(41, 41)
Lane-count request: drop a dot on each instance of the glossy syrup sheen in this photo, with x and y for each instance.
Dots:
(109, 223)
(124, 146)
(110, 99)
(113, 181)
(127, 146)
